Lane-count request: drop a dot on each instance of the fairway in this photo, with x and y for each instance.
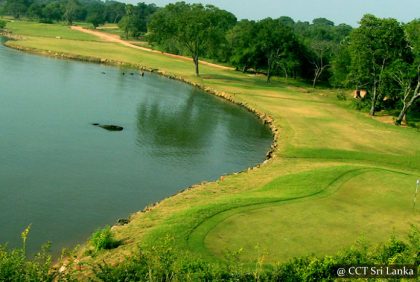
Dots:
(337, 175)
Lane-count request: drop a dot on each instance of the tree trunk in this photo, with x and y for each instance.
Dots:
(405, 109)
(269, 64)
(314, 82)
(374, 99)
(197, 71)
(268, 75)
(402, 115)
(317, 75)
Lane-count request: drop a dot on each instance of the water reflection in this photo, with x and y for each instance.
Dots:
(184, 127)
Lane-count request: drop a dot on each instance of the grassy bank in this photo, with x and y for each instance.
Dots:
(336, 174)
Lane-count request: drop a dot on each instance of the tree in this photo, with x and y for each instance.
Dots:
(322, 40)
(340, 65)
(322, 22)
(71, 10)
(136, 18)
(114, 11)
(95, 18)
(241, 40)
(51, 12)
(95, 14)
(408, 78)
(35, 11)
(16, 8)
(192, 27)
(275, 41)
(412, 32)
(321, 53)
(374, 46)
(127, 23)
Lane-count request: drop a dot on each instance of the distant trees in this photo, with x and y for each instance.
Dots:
(269, 44)
(2, 24)
(114, 11)
(192, 28)
(275, 43)
(241, 39)
(96, 12)
(135, 20)
(17, 8)
(287, 48)
(321, 41)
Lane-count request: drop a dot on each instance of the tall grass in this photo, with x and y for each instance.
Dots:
(163, 263)
(15, 265)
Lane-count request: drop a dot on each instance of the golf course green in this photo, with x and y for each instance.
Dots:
(335, 176)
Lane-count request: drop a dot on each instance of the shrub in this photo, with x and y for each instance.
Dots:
(163, 263)
(2, 24)
(103, 239)
(341, 95)
(16, 266)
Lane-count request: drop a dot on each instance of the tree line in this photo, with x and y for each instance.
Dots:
(95, 12)
(381, 56)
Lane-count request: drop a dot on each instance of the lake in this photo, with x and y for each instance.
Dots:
(67, 177)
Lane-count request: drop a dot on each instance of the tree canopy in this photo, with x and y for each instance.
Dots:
(192, 28)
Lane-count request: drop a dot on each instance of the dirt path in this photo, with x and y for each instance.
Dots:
(115, 38)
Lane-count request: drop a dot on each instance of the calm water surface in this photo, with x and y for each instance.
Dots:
(67, 177)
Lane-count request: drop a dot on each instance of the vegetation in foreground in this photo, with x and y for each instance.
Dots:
(336, 173)
(161, 262)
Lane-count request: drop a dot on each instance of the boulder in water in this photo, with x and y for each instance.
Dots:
(109, 127)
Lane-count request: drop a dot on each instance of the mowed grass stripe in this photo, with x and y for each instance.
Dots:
(318, 225)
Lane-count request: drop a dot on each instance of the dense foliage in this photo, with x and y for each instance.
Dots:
(164, 263)
(95, 12)
(195, 29)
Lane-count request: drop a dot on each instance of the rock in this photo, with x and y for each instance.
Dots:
(109, 127)
(122, 221)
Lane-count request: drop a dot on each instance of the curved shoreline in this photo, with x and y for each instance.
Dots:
(264, 118)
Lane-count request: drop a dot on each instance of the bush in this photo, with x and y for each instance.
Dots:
(341, 95)
(15, 266)
(2, 24)
(163, 263)
(103, 239)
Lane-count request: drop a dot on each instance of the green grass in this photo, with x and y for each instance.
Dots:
(337, 175)
(63, 31)
(368, 204)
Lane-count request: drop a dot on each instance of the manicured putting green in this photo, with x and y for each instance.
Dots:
(371, 204)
